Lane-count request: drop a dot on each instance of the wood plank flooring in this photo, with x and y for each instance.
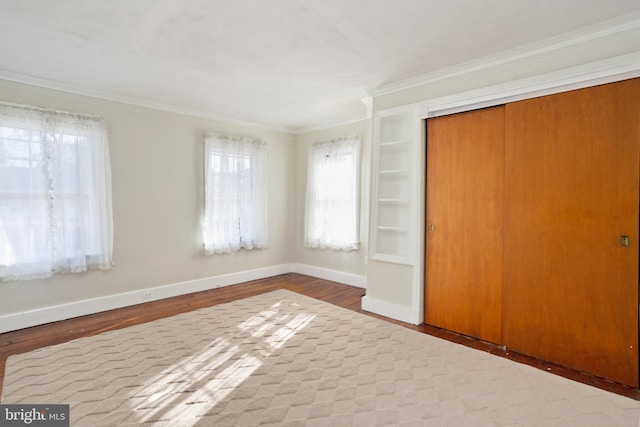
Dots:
(345, 296)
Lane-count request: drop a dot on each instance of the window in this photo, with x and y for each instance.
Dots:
(332, 195)
(55, 193)
(235, 205)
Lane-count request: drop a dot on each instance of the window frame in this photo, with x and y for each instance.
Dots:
(239, 180)
(321, 231)
(72, 238)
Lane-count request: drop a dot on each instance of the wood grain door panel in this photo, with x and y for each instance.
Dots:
(465, 204)
(572, 185)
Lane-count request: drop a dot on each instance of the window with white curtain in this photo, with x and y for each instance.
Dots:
(235, 204)
(332, 207)
(55, 193)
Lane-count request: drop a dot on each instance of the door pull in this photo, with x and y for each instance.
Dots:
(624, 240)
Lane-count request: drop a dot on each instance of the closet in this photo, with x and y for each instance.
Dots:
(465, 220)
(532, 227)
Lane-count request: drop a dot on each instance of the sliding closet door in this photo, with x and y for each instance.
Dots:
(571, 277)
(465, 194)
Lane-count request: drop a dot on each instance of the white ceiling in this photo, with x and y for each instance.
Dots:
(286, 64)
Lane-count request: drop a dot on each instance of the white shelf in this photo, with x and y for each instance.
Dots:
(394, 172)
(393, 229)
(400, 142)
(394, 259)
(393, 201)
(395, 162)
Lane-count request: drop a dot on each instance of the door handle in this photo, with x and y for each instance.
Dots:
(624, 240)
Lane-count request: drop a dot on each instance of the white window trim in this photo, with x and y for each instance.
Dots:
(67, 249)
(322, 231)
(241, 222)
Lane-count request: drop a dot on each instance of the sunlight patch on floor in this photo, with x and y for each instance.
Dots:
(194, 385)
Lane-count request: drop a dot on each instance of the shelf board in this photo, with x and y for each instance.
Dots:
(395, 143)
(393, 229)
(404, 259)
(394, 172)
(386, 201)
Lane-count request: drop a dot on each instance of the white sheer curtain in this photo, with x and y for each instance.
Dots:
(235, 205)
(55, 193)
(332, 206)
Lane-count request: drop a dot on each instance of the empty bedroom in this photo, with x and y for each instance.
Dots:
(303, 213)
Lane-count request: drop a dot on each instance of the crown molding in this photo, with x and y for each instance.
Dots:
(601, 72)
(620, 29)
(11, 76)
(324, 126)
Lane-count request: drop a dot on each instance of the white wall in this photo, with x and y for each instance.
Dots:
(352, 263)
(157, 173)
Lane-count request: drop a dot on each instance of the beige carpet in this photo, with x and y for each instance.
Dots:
(284, 359)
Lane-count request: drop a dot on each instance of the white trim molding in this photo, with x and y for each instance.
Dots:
(592, 74)
(621, 31)
(50, 84)
(332, 275)
(40, 316)
(393, 311)
(14, 321)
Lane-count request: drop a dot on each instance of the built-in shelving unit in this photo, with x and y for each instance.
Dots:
(394, 169)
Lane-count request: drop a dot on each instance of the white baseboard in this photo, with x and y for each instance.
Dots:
(333, 275)
(393, 311)
(15, 321)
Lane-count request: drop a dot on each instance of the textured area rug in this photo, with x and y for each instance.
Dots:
(288, 360)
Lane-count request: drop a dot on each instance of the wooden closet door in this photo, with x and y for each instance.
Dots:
(465, 194)
(571, 288)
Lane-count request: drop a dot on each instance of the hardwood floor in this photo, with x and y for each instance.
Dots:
(345, 296)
